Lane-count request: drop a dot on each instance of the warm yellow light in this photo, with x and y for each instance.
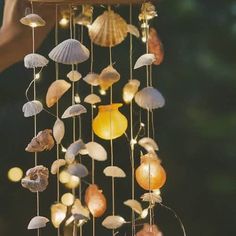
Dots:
(33, 25)
(37, 76)
(58, 214)
(73, 182)
(64, 22)
(15, 174)
(102, 92)
(67, 199)
(63, 149)
(77, 98)
(109, 123)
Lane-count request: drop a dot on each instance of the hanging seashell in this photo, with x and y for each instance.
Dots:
(43, 141)
(35, 60)
(149, 98)
(130, 89)
(148, 230)
(56, 91)
(36, 179)
(56, 165)
(148, 11)
(38, 222)
(145, 60)
(78, 170)
(32, 108)
(108, 29)
(92, 99)
(151, 197)
(85, 17)
(114, 171)
(58, 214)
(74, 149)
(95, 200)
(33, 20)
(155, 46)
(92, 79)
(134, 205)
(96, 151)
(108, 77)
(149, 144)
(74, 110)
(133, 30)
(113, 222)
(58, 130)
(74, 76)
(70, 51)
(79, 212)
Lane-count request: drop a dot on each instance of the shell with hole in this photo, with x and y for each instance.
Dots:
(92, 99)
(56, 165)
(92, 79)
(70, 51)
(74, 76)
(114, 171)
(108, 77)
(149, 144)
(108, 29)
(74, 110)
(130, 89)
(33, 20)
(149, 98)
(38, 222)
(35, 60)
(58, 130)
(56, 91)
(78, 170)
(32, 108)
(96, 151)
(145, 60)
(95, 200)
(113, 222)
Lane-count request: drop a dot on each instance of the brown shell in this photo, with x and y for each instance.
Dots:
(155, 46)
(95, 200)
(108, 30)
(36, 179)
(43, 141)
(149, 230)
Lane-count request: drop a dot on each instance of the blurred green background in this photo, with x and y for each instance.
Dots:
(196, 130)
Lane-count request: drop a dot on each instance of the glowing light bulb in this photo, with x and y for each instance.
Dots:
(102, 92)
(142, 124)
(63, 149)
(37, 76)
(67, 199)
(33, 25)
(64, 22)
(15, 174)
(77, 98)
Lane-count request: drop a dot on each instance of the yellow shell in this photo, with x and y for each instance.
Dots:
(108, 30)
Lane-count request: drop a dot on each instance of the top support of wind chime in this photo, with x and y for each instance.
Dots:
(93, 2)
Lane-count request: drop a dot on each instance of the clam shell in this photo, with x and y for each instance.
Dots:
(92, 99)
(79, 212)
(149, 98)
(38, 222)
(78, 170)
(33, 20)
(74, 76)
(96, 151)
(133, 30)
(108, 29)
(151, 197)
(113, 222)
(56, 91)
(35, 60)
(70, 51)
(130, 89)
(58, 214)
(74, 110)
(56, 165)
(145, 60)
(58, 130)
(32, 108)
(134, 205)
(114, 171)
(92, 79)
(149, 144)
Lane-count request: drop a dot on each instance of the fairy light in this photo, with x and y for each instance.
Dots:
(15, 174)
(63, 149)
(102, 92)
(77, 98)
(37, 76)
(64, 21)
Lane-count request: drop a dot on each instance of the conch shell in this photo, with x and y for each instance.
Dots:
(108, 30)
(43, 141)
(36, 179)
(149, 230)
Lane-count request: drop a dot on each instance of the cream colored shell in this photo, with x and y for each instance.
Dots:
(33, 20)
(92, 99)
(32, 108)
(35, 60)
(38, 222)
(130, 89)
(74, 76)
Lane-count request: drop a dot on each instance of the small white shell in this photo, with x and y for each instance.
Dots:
(113, 222)
(74, 110)
(92, 99)
(96, 151)
(134, 205)
(38, 222)
(33, 20)
(35, 60)
(92, 79)
(78, 170)
(151, 197)
(70, 51)
(74, 76)
(133, 30)
(130, 89)
(32, 108)
(114, 171)
(145, 60)
(149, 144)
(58, 130)
(56, 165)
(149, 98)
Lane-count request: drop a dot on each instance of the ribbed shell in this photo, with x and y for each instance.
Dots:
(68, 52)
(35, 60)
(108, 30)
(33, 20)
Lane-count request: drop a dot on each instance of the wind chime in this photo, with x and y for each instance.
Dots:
(107, 123)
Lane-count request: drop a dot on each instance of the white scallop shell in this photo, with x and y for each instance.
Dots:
(78, 170)
(56, 165)
(113, 222)
(149, 144)
(149, 98)
(145, 60)
(92, 79)
(74, 110)
(92, 99)
(33, 20)
(96, 151)
(74, 76)
(38, 222)
(32, 108)
(134, 205)
(130, 89)
(58, 130)
(133, 30)
(35, 60)
(114, 171)
(70, 51)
